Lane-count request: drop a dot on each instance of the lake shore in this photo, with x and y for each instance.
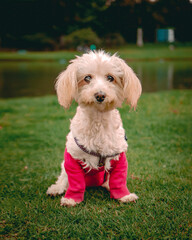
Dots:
(149, 52)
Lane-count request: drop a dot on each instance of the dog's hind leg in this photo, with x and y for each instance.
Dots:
(61, 184)
(106, 182)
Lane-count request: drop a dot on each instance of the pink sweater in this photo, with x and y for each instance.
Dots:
(79, 178)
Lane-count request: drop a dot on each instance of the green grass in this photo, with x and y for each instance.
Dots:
(37, 56)
(155, 52)
(32, 140)
(128, 52)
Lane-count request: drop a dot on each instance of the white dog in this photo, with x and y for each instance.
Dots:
(96, 144)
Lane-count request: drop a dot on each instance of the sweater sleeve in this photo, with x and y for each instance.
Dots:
(118, 178)
(76, 178)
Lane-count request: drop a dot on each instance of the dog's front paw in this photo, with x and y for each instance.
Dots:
(132, 197)
(69, 202)
(55, 189)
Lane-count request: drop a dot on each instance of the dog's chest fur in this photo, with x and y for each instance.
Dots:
(101, 132)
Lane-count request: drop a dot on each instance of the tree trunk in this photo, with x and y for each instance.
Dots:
(139, 37)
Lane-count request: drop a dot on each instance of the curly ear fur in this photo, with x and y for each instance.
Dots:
(132, 86)
(66, 86)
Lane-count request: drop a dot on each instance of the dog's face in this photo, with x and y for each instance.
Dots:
(98, 80)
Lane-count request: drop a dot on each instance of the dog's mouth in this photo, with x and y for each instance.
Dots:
(105, 105)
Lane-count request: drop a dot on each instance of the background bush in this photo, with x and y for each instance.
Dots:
(38, 41)
(83, 37)
(113, 39)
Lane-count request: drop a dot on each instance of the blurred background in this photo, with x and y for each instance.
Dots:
(65, 24)
(139, 30)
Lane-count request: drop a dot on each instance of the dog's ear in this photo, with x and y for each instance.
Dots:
(66, 85)
(131, 85)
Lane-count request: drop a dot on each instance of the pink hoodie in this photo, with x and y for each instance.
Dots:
(79, 177)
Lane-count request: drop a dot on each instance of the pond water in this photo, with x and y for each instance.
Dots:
(18, 79)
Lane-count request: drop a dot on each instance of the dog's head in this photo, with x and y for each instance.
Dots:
(98, 80)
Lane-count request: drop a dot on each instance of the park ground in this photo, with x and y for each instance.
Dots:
(32, 141)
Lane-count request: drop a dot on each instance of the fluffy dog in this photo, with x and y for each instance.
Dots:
(96, 144)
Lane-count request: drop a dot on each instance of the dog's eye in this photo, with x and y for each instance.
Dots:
(87, 78)
(110, 78)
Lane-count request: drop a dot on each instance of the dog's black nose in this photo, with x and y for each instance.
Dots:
(100, 96)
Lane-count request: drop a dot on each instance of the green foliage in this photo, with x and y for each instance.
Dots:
(38, 41)
(113, 40)
(83, 37)
(32, 141)
(56, 18)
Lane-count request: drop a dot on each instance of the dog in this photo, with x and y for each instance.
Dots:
(96, 144)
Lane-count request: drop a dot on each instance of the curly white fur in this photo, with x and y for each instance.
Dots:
(68, 202)
(61, 184)
(132, 197)
(96, 125)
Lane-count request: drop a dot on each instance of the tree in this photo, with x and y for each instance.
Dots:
(152, 14)
(139, 8)
(176, 14)
(53, 18)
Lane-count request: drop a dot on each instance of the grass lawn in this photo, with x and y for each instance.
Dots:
(129, 52)
(32, 140)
